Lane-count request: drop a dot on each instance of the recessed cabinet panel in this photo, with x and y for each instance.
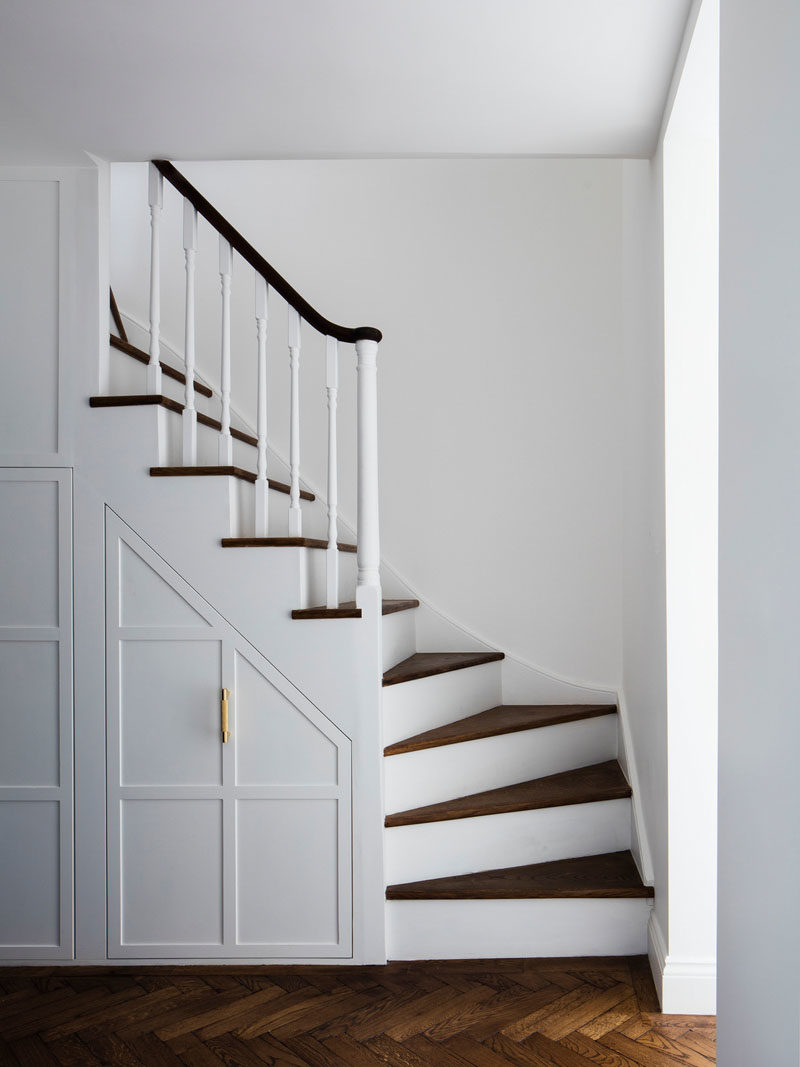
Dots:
(29, 875)
(206, 860)
(169, 712)
(29, 747)
(171, 872)
(276, 744)
(287, 872)
(36, 795)
(29, 562)
(146, 599)
(29, 282)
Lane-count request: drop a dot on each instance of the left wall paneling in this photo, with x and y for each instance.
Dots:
(41, 281)
(36, 761)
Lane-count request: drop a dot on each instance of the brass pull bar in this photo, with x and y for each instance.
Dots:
(224, 713)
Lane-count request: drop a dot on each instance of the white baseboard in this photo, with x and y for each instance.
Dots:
(684, 987)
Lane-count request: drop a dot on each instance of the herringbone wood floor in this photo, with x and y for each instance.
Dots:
(556, 1013)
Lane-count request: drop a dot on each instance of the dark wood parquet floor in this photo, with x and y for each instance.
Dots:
(548, 1013)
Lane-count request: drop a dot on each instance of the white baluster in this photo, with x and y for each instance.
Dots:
(189, 412)
(332, 384)
(295, 517)
(156, 199)
(368, 591)
(225, 439)
(262, 484)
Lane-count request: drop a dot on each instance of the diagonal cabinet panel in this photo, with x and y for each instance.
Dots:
(217, 849)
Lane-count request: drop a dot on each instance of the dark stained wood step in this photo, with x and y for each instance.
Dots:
(504, 719)
(426, 664)
(115, 315)
(610, 875)
(348, 610)
(143, 399)
(282, 542)
(602, 781)
(123, 345)
(232, 472)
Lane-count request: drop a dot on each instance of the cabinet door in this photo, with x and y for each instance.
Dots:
(36, 823)
(223, 850)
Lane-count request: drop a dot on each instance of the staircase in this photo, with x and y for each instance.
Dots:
(507, 826)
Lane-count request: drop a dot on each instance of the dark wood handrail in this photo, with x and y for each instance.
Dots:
(259, 264)
(115, 315)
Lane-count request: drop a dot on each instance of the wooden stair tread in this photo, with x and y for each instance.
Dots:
(232, 472)
(426, 664)
(125, 346)
(602, 781)
(282, 542)
(610, 875)
(348, 610)
(143, 399)
(504, 719)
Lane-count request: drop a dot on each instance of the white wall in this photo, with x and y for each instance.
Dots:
(497, 286)
(691, 266)
(669, 518)
(759, 735)
(643, 696)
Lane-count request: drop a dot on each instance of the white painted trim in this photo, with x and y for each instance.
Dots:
(684, 987)
(642, 853)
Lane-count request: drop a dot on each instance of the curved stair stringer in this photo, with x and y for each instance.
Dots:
(183, 521)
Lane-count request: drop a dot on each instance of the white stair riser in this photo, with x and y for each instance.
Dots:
(492, 929)
(399, 637)
(315, 590)
(126, 375)
(411, 707)
(427, 777)
(463, 846)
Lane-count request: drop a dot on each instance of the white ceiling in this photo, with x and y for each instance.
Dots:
(239, 79)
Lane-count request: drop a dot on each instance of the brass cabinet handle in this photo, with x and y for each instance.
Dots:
(223, 707)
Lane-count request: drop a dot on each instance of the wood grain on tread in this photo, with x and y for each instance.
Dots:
(504, 719)
(282, 542)
(426, 664)
(123, 345)
(143, 399)
(602, 781)
(232, 472)
(577, 1012)
(610, 875)
(348, 610)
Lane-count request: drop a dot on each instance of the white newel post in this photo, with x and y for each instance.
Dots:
(262, 484)
(332, 385)
(225, 269)
(295, 516)
(189, 412)
(156, 199)
(368, 590)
